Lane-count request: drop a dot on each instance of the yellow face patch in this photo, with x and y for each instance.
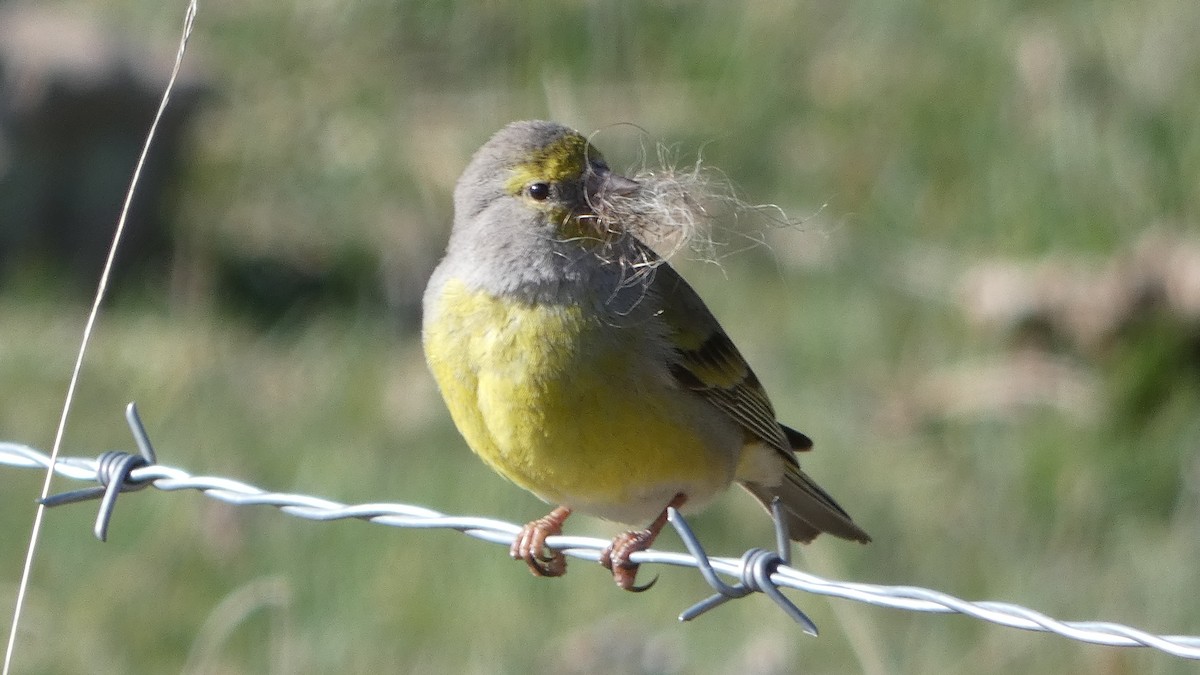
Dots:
(563, 160)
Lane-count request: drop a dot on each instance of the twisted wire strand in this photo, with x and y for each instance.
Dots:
(910, 598)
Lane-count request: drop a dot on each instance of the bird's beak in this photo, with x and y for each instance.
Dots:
(601, 182)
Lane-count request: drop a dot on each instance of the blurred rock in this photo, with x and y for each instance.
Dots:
(76, 102)
(1001, 388)
(1086, 304)
(1092, 338)
(1132, 318)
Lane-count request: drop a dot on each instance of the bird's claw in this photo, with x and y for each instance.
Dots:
(615, 559)
(530, 545)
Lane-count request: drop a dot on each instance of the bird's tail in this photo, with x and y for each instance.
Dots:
(808, 508)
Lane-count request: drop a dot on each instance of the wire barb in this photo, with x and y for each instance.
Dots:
(757, 566)
(113, 472)
(757, 570)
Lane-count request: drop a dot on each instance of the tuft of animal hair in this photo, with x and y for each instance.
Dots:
(676, 209)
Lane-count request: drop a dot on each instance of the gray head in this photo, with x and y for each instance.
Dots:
(522, 205)
(546, 167)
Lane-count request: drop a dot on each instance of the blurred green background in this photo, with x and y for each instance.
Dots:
(985, 314)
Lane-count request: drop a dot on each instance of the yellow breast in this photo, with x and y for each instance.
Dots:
(572, 407)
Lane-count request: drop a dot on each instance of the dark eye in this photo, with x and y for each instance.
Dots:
(539, 191)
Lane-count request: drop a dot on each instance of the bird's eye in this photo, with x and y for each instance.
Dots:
(539, 191)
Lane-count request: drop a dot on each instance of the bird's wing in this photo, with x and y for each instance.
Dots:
(709, 364)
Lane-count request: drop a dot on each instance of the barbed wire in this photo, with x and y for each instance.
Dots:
(758, 570)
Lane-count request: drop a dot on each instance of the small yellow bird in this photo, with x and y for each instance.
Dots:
(579, 365)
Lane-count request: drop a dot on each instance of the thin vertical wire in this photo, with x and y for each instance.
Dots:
(101, 291)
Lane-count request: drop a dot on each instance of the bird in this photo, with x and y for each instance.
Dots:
(577, 363)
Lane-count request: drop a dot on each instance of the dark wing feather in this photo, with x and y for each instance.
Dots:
(709, 364)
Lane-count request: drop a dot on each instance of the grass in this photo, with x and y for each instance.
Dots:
(912, 139)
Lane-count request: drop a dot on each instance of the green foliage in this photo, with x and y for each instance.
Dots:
(909, 138)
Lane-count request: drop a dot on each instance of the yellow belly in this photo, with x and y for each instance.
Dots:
(573, 408)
